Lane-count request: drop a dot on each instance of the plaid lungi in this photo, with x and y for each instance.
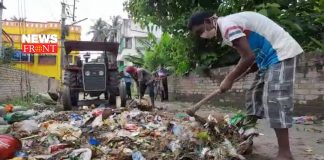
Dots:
(271, 94)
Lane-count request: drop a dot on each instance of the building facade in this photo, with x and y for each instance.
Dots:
(131, 37)
(45, 65)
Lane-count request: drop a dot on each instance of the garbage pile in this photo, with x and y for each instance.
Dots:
(124, 134)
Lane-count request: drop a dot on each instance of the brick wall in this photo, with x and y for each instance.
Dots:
(309, 86)
(15, 82)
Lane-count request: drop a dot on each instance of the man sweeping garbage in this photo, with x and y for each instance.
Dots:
(265, 47)
(143, 80)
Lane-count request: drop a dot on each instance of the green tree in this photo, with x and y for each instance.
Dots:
(115, 24)
(100, 30)
(303, 19)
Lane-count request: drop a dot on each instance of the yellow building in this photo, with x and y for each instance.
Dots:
(46, 65)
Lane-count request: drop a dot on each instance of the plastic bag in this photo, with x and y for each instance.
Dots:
(65, 131)
(26, 127)
(97, 122)
(42, 116)
(4, 129)
(81, 154)
(137, 156)
(19, 116)
(174, 145)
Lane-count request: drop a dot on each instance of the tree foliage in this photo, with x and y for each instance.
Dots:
(169, 51)
(303, 19)
(102, 29)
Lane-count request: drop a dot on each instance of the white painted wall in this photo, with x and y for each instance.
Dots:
(131, 30)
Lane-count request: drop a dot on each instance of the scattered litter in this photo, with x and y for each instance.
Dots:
(2, 121)
(97, 122)
(306, 120)
(81, 154)
(57, 148)
(43, 115)
(4, 129)
(137, 132)
(93, 141)
(65, 131)
(137, 156)
(26, 127)
(19, 116)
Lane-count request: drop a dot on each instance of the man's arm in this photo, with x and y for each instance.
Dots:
(253, 68)
(247, 59)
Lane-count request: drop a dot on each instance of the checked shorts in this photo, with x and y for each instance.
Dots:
(271, 94)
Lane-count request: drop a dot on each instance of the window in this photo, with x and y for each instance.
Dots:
(18, 56)
(47, 59)
(128, 43)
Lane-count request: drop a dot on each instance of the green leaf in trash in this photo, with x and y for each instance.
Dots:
(203, 136)
(237, 118)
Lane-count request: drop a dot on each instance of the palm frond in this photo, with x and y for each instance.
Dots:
(137, 61)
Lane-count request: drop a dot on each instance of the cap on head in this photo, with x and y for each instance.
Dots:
(131, 69)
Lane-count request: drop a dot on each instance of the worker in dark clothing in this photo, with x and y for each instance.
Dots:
(143, 79)
(162, 73)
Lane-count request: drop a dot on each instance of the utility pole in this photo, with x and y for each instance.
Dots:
(1, 9)
(63, 32)
(73, 11)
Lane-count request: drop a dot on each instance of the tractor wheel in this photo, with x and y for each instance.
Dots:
(122, 93)
(70, 78)
(66, 98)
(69, 98)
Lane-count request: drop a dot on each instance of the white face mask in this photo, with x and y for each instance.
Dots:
(211, 33)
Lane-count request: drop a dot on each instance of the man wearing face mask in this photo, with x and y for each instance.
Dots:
(264, 46)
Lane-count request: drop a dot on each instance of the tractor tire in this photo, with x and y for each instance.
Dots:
(70, 78)
(66, 99)
(69, 98)
(122, 93)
